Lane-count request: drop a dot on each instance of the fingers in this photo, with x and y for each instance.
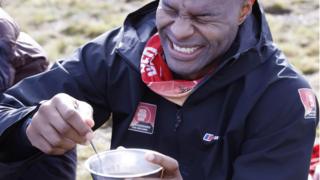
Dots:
(86, 112)
(65, 130)
(76, 113)
(168, 163)
(70, 118)
(48, 149)
(60, 124)
(56, 141)
(121, 148)
(40, 142)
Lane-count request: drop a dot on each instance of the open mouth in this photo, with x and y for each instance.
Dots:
(185, 53)
(185, 50)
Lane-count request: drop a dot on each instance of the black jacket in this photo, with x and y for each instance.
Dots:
(246, 121)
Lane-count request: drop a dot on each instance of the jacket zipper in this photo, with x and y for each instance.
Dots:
(178, 119)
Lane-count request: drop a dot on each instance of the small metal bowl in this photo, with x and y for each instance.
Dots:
(122, 164)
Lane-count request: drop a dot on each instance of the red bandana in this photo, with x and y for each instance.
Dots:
(315, 159)
(157, 76)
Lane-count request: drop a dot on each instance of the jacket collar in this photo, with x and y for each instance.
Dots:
(138, 27)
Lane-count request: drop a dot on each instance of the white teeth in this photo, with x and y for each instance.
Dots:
(186, 50)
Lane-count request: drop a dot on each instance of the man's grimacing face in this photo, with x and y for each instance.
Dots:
(194, 33)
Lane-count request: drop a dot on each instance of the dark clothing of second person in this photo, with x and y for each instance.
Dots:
(245, 121)
(29, 58)
(20, 55)
(6, 70)
(25, 59)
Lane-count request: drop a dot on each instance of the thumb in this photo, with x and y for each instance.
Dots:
(169, 164)
(90, 122)
(86, 112)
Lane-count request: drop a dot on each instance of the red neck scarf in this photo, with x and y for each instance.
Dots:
(157, 76)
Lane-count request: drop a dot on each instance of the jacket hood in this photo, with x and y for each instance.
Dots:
(138, 27)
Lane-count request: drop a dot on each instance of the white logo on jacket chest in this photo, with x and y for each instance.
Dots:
(210, 137)
(144, 118)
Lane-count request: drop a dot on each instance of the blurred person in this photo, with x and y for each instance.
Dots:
(20, 57)
(221, 100)
(9, 33)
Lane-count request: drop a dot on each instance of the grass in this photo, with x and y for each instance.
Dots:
(297, 37)
(297, 33)
(278, 8)
(61, 26)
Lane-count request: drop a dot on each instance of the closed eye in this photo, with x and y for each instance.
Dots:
(206, 17)
(203, 18)
(169, 9)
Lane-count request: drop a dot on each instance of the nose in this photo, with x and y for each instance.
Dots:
(182, 28)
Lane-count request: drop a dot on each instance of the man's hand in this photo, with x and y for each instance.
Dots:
(60, 124)
(170, 166)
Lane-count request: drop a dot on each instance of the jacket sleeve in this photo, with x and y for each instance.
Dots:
(280, 134)
(75, 76)
(6, 69)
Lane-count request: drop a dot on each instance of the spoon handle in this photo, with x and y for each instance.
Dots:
(93, 147)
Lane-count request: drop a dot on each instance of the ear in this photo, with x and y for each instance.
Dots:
(245, 10)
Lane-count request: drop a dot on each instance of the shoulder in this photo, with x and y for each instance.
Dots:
(285, 97)
(286, 101)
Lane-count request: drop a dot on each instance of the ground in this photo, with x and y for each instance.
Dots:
(61, 26)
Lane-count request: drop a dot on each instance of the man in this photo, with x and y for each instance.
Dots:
(222, 100)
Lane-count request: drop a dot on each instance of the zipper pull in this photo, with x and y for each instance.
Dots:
(178, 119)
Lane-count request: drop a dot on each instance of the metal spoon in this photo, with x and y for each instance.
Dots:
(76, 107)
(94, 148)
(98, 156)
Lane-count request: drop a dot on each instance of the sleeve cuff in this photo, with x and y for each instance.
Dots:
(24, 142)
(17, 145)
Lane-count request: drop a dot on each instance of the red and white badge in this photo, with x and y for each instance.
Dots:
(308, 100)
(144, 118)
